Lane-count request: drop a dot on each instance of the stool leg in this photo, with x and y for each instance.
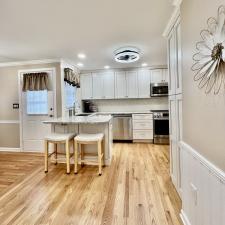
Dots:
(99, 159)
(55, 145)
(103, 154)
(82, 154)
(67, 157)
(75, 156)
(46, 156)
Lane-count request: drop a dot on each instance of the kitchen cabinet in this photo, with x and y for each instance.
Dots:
(142, 127)
(132, 84)
(103, 85)
(174, 59)
(121, 85)
(126, 84)
(175, 108)
(86, 86)
(159, 76)
(144, 80)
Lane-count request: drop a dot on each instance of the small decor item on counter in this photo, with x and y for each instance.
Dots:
(210, 60)
(71, 77)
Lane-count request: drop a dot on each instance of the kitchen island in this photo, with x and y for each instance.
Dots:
(87, 124)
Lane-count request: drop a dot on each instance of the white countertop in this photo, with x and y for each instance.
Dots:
(92, 119)
(131, 112)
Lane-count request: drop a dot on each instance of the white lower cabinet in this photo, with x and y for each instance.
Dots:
(142, 127)
(175, 108)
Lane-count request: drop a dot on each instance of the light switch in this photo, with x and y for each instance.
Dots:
(15, 105)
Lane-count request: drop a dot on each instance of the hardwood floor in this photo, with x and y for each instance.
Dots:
(135, 189)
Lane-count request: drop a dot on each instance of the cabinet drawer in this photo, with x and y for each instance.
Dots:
(142, 124)
(142, 134)
(142, 116)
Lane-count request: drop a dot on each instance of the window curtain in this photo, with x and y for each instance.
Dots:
(71, 78)
(35, 82)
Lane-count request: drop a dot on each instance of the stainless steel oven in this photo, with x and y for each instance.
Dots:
(159, 89)
(161, 127)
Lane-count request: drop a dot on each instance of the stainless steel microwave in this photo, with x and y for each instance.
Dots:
(159, 89)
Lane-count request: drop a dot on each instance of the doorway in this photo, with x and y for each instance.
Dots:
(36, 107)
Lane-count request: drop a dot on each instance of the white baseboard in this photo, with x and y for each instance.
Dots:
(184, 218)
(203, 189)
(4, 149)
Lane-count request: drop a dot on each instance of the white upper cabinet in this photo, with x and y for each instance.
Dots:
(103, 85)
(144, 80)
(109, 85)
(179, 56)
(126, 84)
(174, 60)
(159, 76)
(86, 86)
(98, 85)
(121, 85)
(132, 84)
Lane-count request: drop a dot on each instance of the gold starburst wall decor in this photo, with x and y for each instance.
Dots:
(209, 61)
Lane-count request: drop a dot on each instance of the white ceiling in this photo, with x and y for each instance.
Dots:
(47, 29)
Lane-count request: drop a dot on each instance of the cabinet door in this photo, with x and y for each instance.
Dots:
(121, 86)
(86, 86)
(132, 84)
(178, 59)
(98, 90)
(157, 76)
(172, 63)
(109, 85)
(144, 80)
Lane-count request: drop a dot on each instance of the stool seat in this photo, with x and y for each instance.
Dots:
(59, 137)
(89, 137)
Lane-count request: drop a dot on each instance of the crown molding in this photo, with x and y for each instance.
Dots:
(30, 62)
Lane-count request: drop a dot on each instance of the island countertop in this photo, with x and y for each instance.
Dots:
(92, 119)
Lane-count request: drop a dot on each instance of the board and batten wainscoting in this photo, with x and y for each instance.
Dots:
(203, 189)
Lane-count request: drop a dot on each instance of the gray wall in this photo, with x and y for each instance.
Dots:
(9, 133)
(203, 115)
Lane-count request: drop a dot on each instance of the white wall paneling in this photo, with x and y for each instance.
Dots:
(203, 189)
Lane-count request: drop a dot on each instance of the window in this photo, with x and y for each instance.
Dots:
(70, 95)
(37, 102)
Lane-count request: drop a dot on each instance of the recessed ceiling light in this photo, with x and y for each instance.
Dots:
(106, 67)
(80, 64)
(81, 56)
(144, 64)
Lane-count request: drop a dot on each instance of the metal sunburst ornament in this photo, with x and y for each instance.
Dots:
(209, 63)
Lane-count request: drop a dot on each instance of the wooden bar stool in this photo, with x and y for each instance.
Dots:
(88, 139)
(55, 139)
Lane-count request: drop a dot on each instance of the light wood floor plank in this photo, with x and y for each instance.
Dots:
(135, 189)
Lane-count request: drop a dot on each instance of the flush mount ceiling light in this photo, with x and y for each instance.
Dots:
(127, 55)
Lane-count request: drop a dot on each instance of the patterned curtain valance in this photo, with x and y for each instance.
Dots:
(71, 78)
(35, 81)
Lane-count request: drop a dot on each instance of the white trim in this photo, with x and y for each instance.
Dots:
(206, 163)
(54, 79)
(177, 2)
(9, 121)
(31, 62)
(172, 21)
(184, 218)
(7, 149)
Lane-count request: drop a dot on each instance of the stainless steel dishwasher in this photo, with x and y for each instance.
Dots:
(122, 127)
